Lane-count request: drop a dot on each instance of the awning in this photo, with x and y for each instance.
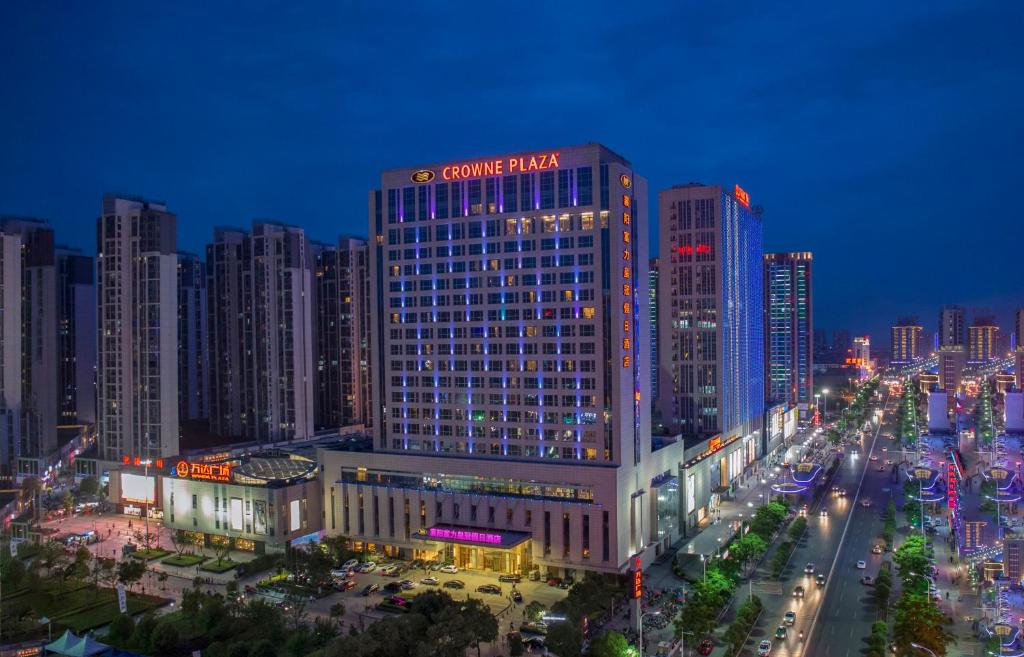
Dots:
(484, 537)
(61, 645)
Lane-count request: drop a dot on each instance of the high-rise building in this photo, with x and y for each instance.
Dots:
(261, 332)
(906, 341)
(789, 327)
(951, 327)
(1018, 327)
(342, 381)
(28, 346)
(841, 341)
(652, 312)
(511, 400)
(711, 312)
(982, 338)
(76, 337)
(862, 356)
(193, 340)
(137, 318)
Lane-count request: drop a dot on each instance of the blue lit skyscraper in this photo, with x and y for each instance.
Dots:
(652, 296)
(788, 329)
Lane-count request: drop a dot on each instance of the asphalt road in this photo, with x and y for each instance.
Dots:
(819, 545)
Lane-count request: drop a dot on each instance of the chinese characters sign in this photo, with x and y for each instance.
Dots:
(638, 580)
(203, 471)
(466, 535)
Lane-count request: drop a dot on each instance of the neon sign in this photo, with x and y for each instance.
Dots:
(465, 535)
(689, 250)
(498, 167)
(203, 471)
(742, 196)
(951, 491)
(638, 580)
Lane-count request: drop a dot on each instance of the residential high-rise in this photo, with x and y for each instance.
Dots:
(906, 341)
(137, 319)
(510, 365)
(862, 356)
(652, 300)
(76, 337)
(261, 332)
(789, 327)
(342, 381)
(711, 320)
(28, 346)
(982, 338)
(193, 340)
(1018, 324)
(951, 327)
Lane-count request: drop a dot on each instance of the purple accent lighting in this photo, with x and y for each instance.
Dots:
(463, 535)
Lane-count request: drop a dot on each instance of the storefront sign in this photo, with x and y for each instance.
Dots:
(498, 167)
(638, 579)
(203, 471)
(951, 491)
(464, 535)
(742, 196)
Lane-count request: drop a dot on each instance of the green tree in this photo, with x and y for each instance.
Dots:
(89, 486)
(920, 621)
(609, 644)
(130, 571)
(515, 645)
(12, 572)
(565, 639)
(534, 610)
(339, 549)
(263, 648)
(165, 638)
(337, 610)
(481, 623)
(323, 631)
(68, 501)
(912, 562)
(143, 632)
(121, 628)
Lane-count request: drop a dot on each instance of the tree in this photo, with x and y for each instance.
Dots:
(565, 639)
(481, 623)
(180, 540)
(69, 502)
(89, 486)
(338, 548)
(609, 644)
(295, 610)
(323, 631)
(221, 549)
(920, 621)
(534, 611)
(121, 628)
(912, 562)
(51, 556)
(130, 571)
(263, 648)
(337, 610)
(144, 631)
(515, 645)
(12, 572)
(165, 638)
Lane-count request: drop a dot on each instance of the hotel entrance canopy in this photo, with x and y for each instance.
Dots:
(460, 535)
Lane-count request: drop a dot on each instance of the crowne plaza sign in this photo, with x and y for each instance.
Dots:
(493, 167)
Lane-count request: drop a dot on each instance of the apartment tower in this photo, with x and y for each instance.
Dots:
(137, 319)
(76, 337)
(906, 341)
(193, 341)
(789, 330)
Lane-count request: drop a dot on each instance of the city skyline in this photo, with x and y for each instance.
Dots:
(309, 157)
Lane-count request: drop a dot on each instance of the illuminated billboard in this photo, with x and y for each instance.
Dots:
(137, 488)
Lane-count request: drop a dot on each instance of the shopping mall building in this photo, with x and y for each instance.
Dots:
(258, 503)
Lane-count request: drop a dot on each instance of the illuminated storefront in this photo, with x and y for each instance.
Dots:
(469, 548)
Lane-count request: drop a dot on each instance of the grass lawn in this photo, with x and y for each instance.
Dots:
(215, 566)
(104, 611)
(150, 554)
(78, 607)
(184, 560)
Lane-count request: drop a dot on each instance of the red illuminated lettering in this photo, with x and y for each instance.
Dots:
(540, 162)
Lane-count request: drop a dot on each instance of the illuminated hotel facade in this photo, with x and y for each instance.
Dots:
(510, 370)
(789, 357)
(906, 341)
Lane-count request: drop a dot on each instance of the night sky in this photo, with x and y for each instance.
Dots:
(884, 137)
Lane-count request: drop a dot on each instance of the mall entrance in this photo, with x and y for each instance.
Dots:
(505, 553)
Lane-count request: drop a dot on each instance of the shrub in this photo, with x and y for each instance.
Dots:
(121, 628)
(165, 638)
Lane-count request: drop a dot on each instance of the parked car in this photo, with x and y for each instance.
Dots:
(393, 587)
(554, 581)
(370, 588)
(430, 581)
(492, 589)
(510, 578)
(367, 567)
(454, 584)
(389, 571)
(534, 576)
(350, 564)
(865, 502)
(407, 584)
(449, 568)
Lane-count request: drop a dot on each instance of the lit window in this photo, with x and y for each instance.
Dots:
(588, 312)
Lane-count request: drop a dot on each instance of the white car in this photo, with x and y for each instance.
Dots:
(350, 564)
(340, 573)
(809, 569)
(765, 648)
(865, 503)
(366, 567)
(789, 618)
(449, 568)
(861, 565)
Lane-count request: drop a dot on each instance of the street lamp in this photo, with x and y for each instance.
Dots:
(682, 638)
(920, 647)
(641, 628)
(704, 563)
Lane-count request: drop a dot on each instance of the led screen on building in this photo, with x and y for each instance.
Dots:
(236, 514)
(137, 488)
(294, 516)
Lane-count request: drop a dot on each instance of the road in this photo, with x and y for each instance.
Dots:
(819, 546)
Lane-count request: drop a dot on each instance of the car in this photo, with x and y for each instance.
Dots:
(389, 571)
(876, 549)
(517, 597)
(867, 580)
(888, 461)
(861, 565)
(492, 589)
(865, 503)
(780, 632)
(820, 579)
(789, 618)
(430, 581)
(881, 468)
(436, 565)
(809, 568)
(885, 448)
(344, 585)
(350, 564)
(534, 643)
(407, 584)
(397, 600)
(798, 592)
(514, 579)
(370, 588)
(705, 647)
(393, 587)
(367, 567)
(873, 458)
(554, 581)
(454, 584)
(565, 584)
(341, 573)
(764, 649)
(416, 563)
(842, 492)
(835, 490)
(449, 568)
(823, 513)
